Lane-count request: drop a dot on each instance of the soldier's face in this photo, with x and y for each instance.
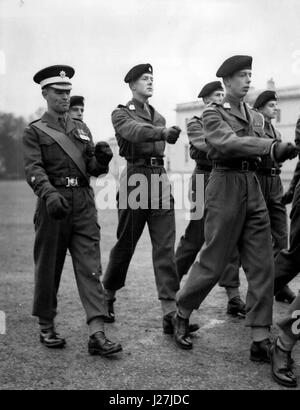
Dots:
(269, 110)
(76, 112)
(57, 100)
(144, 86)
(216, 97)
(239, 84)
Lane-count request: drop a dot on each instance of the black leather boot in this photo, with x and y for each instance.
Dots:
(285, 295)
(111, 312)
(236, 307)
(281, 369)
(181, 331)
(260, 351)
(51, 339)
(100, 345)
(168, 327)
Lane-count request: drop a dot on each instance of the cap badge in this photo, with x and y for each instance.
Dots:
(62, 74)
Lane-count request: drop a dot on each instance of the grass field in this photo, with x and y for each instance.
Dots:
(150, 360)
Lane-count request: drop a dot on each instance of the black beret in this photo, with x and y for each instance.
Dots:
(58, 76)
(234, 64)
(210, 88)
(137, 71)
(76, 100)
(265, 97)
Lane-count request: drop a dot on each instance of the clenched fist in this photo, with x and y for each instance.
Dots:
(284, 150)
(171, 134)
(57, 206)
(103, 153)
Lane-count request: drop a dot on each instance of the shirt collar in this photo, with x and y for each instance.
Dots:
(138, 103)
(233, 100)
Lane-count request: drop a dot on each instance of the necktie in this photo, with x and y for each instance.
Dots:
(146, 108)
(242, 109)
(62, 123)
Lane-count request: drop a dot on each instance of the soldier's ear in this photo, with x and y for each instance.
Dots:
(45, 92)
(132, 86)
(226, 81)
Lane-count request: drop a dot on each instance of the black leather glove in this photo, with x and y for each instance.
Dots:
(57, 206)
(284, 150)
(287, 198)
(103, 153)
(171, 134)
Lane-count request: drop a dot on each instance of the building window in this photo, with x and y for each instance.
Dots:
(278, 115)
(186, 153)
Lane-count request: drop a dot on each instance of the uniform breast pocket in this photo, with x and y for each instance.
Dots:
(237, 128)
(50, 150)
(258, 131)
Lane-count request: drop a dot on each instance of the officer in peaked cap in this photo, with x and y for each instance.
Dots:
(268, 174)
(56, 76)
(193, 239)
(236, 215)
(76, 109)
(141, 134)
(58, 164)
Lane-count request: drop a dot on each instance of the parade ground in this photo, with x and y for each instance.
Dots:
(150, 359)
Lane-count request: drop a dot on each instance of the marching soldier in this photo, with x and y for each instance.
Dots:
(268, 174)
(59, 160)
(76, 108)
(193, 238)
(235, 210)
(142, 135)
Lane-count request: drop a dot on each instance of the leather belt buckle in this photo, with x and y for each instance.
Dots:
(245, 166)
(153, 161)
(72, 182)
(273, 172)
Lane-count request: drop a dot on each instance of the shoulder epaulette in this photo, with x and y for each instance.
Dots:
(32, 122)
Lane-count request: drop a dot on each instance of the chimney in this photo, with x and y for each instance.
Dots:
(271, 84)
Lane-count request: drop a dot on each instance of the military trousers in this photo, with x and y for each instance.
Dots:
(273, 191)
(131, 222)
(235, 217)
(79, 233)
(287, 263)
(193, 239)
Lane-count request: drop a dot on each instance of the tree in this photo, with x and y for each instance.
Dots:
(11, 155)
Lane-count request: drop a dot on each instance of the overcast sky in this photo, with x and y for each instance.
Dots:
(184, 40)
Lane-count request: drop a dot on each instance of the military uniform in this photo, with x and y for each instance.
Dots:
(193, 239)
(139, 132)
(48, 170)
(235, 212)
